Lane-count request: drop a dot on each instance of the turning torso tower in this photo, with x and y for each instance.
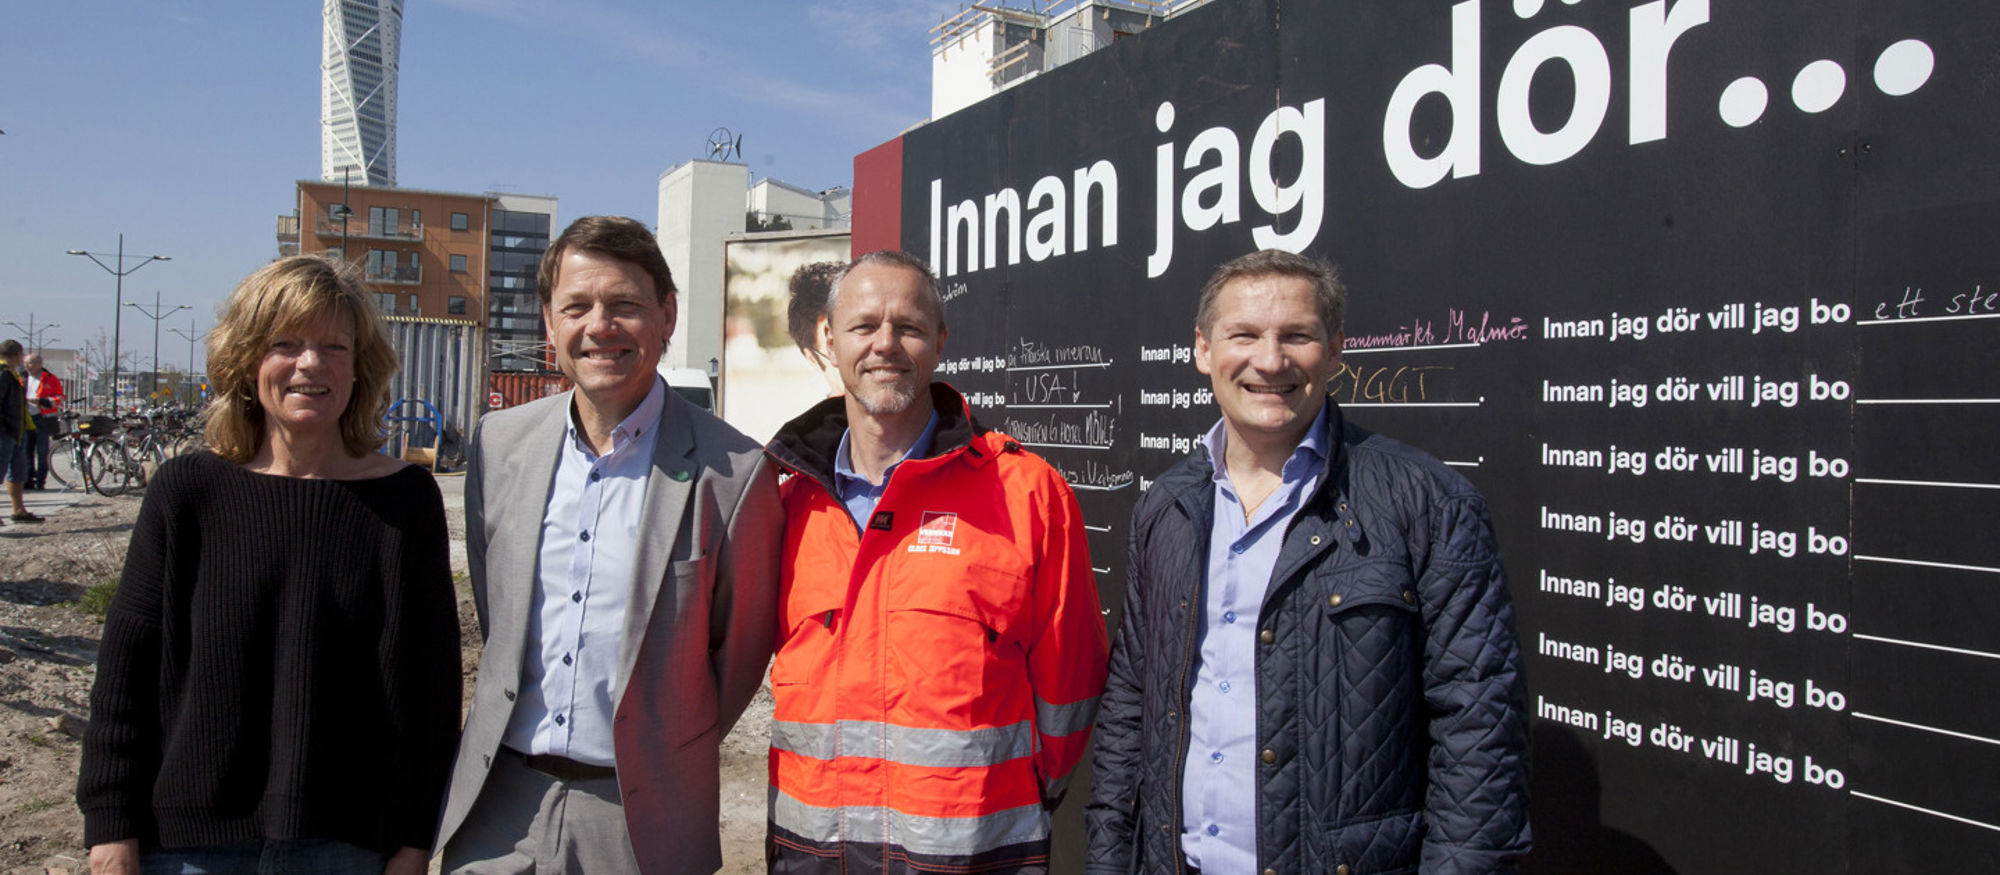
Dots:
(358, 90)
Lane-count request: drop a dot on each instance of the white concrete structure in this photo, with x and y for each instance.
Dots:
(801, 208)
(989, 46)
(700, 201)
(361, 40)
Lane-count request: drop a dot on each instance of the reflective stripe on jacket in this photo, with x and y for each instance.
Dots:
(937, 673)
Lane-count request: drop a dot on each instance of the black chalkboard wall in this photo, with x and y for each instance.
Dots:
(1703, 295)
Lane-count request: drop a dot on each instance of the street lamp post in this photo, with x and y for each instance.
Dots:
(34, 334)
(191, 338)
(156, 314)
(118, 309)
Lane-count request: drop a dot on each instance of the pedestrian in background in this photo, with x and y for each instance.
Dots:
(45, 400)
(15, 429)
(278, 684)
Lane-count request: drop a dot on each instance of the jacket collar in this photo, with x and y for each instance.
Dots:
(806, 445)
(1192, 484)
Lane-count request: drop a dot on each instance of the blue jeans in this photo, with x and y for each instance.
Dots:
(265, 857)
(14, 459)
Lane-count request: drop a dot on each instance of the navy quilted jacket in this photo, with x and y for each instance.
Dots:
(1390, 720)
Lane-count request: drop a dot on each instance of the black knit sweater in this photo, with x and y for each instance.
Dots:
(281, 661)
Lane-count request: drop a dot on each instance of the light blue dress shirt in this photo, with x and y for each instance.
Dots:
(854, 490)
(1219, 781)
(590, 538)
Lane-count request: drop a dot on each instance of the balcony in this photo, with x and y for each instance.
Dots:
(405, 231)
(395, 276)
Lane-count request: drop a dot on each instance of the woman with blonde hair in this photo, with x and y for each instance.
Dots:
(278, 683)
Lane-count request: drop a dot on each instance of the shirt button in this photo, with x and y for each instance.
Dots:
(1228, 616)
(559, 720)
(585, 536)
(566, 659)
(1213, 829)
(1237, 548)
(1215, 757)
(1224, 686)
(576, 596)
(595, 476)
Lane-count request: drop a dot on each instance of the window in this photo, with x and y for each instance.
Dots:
(458, 264)
(388, 302)
(382, 221)
(456, 303)
(460, 221)
(416, 218)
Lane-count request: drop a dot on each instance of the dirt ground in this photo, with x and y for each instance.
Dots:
(48, 654)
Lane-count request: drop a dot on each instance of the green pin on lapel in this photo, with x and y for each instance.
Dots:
(680, 474)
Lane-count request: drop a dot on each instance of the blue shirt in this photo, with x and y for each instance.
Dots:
(854, 490)
(583, 586)
(1219, 783)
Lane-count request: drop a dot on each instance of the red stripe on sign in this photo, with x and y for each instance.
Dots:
(878, 198)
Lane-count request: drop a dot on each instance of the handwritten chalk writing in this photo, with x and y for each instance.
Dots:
(1093, 430)
(1907, 308)
(1094, 475)
(1352, 384)
(1977, 301)
(1419, 332)
(1028, 352)
(1460, 328)
(954, 290)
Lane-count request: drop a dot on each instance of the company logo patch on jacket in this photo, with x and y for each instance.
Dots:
(936, 533)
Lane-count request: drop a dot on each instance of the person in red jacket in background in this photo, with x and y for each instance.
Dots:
(45, 398)
(940, 646)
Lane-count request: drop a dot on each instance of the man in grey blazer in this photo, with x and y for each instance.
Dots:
(624, 554)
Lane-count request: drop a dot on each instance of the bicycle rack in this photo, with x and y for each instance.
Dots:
(425, 456)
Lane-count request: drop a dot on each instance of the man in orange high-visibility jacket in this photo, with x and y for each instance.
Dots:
(941, 647)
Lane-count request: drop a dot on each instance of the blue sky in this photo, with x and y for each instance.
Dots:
(185, 124)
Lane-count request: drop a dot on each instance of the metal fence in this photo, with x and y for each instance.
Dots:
(443, 363)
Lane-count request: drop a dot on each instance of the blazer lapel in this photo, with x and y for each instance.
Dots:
(667, 489)
(520, 491)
